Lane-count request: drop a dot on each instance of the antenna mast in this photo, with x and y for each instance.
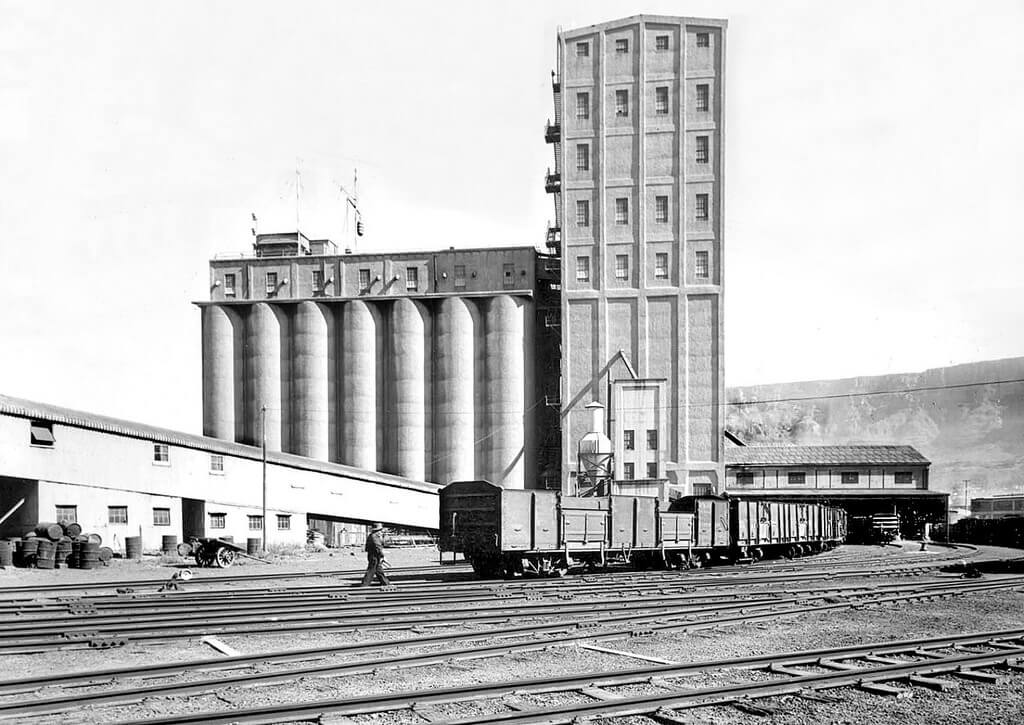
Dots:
(353, 201)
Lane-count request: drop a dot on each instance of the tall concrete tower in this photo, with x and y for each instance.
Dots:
(638, 188)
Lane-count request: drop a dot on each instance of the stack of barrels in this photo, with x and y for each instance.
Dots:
(55, 546)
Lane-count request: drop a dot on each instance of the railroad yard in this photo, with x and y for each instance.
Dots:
(858, 634)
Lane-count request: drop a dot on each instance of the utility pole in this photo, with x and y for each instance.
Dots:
(263, 427)
(967, 503)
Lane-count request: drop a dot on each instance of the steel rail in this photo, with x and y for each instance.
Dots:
(398, 661)
(383, 702)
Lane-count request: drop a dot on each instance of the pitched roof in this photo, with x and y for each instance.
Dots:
(20, 408)
(787, 455)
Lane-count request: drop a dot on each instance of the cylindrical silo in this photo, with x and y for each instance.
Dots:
(263, 372)
(220, 327)
(505, 330)
(454, 383)
(359, 419)
(407, 389)
(311, 361)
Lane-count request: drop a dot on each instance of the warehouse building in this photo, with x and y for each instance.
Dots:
(998, 507)
(117, 478)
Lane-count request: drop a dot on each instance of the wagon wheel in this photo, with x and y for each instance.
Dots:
(224, 557)
(200, 558)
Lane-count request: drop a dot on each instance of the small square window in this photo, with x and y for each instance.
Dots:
(271, 284)
(702, 489)
(661, 265)
(622, 103)
(40, 433)
(318, 281)
(701, 207)
(509, 274)
(216, 463)
(702, 97)
(628, 471)
(661, 42)
(652, 440)
(904, 477)
(628, 440)
(460, 276)
(66, 514)
(850, 477)
(701, 150)
(622, 211)
(701, 266)
(582, 157)
(161, 517)
(703, 40)
(284, 522)
(745, 478)
(661, 209)
(661, 100)
(652, 470)
(229, 285)
(582, 106)
(582, 269)
(621, 266)
(412, 278)
(797, 478)
(364, 280)
(622, 45)
(255, 523)
(583, 50)
(117, 514)
(161, 453)
(582, 213)
(218, 521)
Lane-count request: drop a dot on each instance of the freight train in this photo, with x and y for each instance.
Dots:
(505, 532)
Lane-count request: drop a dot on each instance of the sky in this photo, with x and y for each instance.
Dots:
(873, 176)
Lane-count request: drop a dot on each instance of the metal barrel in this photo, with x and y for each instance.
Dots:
(96, 537)
(63, 553)
(89, 555)
(71, 528)
(252, 546)
(49, 530)
(105, 554)
(45, 553)
(133, 547)
(75, 557)
(28, 551)
(6, 554)
(169, 545)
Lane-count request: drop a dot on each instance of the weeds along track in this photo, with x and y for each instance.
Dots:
(119, 685)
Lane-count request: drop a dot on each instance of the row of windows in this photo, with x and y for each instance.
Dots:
(629, 439)
(41, 434)
(629, 471)
(701, 156)
(701, 104)
(700, 206)
(68, 514)
(661, 42)
(220, 521)
(701, 266)
(798, 478)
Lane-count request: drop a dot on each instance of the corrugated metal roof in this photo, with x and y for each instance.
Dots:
(786, 455)
(20, 408)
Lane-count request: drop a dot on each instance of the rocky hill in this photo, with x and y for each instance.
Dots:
(967, 419)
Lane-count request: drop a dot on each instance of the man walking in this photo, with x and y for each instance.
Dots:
(375, 557)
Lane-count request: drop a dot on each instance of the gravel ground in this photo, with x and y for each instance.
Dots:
(968, 703)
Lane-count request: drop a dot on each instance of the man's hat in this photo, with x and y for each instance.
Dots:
(377, 527)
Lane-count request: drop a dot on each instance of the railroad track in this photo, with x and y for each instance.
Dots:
(497, 641)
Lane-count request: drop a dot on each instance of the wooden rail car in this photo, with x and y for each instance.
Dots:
(504, 532)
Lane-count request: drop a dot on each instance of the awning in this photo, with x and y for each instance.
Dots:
(42, 435)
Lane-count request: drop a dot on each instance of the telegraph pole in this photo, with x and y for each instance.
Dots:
(967, 503)
(263, 427)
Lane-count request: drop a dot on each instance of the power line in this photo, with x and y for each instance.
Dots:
(925, 388)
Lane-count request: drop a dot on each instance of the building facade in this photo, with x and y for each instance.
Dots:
(638, 140)
(421, 365)
(998, 507)
(117, 478)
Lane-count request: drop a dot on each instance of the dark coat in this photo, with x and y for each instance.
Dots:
(375, 545)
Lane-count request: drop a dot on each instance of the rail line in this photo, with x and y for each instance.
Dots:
(556, 634)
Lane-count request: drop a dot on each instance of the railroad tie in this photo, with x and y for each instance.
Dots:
(975, 676)
(598, 694)
(933, 683)
(880, 688)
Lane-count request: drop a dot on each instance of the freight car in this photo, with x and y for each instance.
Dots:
(504, 532)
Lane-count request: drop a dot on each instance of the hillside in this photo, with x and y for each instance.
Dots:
(970, 427)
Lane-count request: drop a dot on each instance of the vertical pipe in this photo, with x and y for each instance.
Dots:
(310, 375)
(505, 375)
(359, 386)
(263, 365)
(454, 405)
(219, 372)
(407, 391)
